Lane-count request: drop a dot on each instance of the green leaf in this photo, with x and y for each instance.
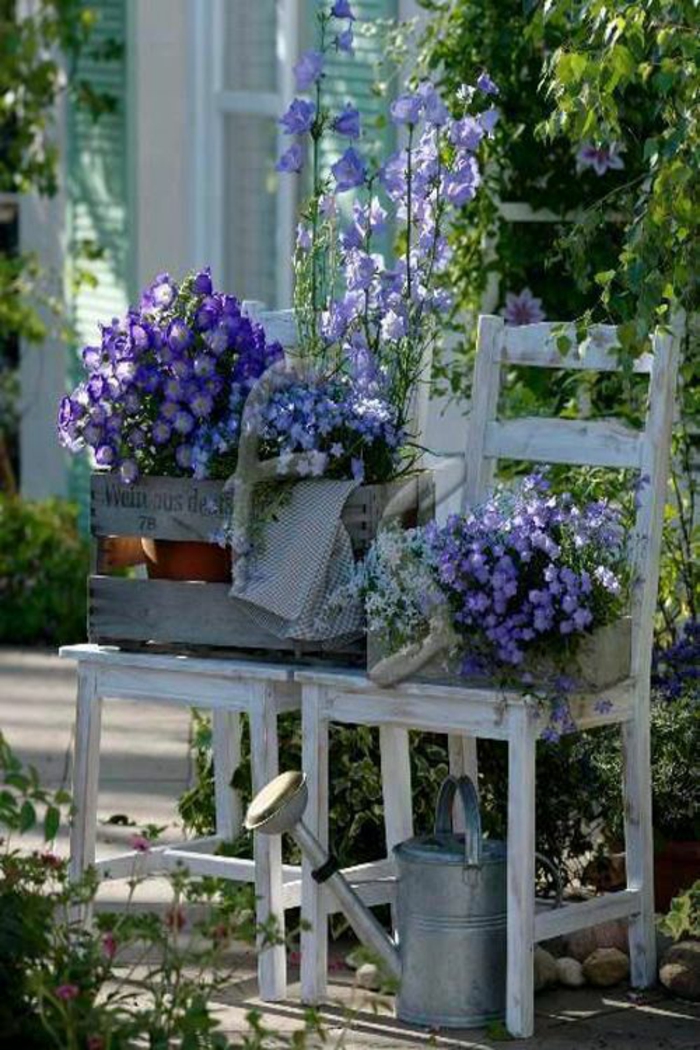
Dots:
(52, 820)
(27, 817)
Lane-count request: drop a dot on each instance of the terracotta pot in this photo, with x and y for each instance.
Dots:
(187, 560)
(676, 867)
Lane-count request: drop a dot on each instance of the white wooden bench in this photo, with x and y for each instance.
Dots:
(468, 713)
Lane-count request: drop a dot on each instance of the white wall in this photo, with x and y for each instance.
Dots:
(161, 136)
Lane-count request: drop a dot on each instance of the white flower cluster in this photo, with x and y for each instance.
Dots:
(399, 588)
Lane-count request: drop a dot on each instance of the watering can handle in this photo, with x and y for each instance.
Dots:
(472, 817)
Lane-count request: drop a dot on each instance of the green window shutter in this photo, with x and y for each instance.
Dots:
(98, 201)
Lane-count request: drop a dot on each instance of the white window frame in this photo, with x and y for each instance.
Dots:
(211, 103)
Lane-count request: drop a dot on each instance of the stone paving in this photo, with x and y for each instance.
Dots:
(145, 767)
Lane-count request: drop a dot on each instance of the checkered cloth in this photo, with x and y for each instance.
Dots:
(305, 555)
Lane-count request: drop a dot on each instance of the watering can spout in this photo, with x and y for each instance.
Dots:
(279, 807)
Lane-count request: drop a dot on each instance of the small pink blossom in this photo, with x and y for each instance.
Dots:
(140, 843)
(109, 945)
(95, 1042)
(522, 308)
(66, 992)
(600, 158)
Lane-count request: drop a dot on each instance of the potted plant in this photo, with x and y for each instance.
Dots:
(162, 396)
(522, 590)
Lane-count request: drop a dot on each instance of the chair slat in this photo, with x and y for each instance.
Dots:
(594, 443)
(536, 344)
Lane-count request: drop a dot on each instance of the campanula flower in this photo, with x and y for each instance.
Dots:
(406, 109)
(299, 117)
(308, 70)
(344, 41)
(342, 9)
(486, 85)
(349, 171)
(600, 158)
(348, 123)
(292, 161)
(522, 308)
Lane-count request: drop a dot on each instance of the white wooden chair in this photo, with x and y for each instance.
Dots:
(469, 713)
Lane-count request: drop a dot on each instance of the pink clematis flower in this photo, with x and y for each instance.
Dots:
(600, 158)
(522, 308)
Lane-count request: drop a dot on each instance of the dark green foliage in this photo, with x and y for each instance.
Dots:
(43, 569)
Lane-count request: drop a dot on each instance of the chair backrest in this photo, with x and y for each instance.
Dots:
(581, 442)
(280, 325)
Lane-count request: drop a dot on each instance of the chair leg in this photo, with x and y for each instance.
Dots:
(314, 938)
(272, 958)
(396, 785)
(639, 848)
(521, 874)
(226, 740)
(86, 766)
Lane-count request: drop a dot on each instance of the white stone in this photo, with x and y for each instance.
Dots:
(570, 972)
(545, 969)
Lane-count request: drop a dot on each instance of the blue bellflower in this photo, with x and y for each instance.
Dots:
(348, 123)
(308, 70)
(299, 117)
(349, 171)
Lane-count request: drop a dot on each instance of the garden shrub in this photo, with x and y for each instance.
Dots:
(43, 568)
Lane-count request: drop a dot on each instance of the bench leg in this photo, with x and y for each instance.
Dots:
(520, 1006)
(226, 742)
(639, 847)
(396, 790)
(272, 958)
(314, 938)
(86, 767)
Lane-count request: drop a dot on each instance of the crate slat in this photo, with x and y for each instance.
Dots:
(187, 613)
(184, 509)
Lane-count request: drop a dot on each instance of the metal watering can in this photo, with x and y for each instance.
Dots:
(450, 958)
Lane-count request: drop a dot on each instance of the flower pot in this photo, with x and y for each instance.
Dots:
(187, 560)
(676, 867)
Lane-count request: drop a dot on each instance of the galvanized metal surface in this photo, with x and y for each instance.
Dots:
(452, 920)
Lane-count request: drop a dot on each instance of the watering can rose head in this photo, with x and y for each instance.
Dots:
(164, 389)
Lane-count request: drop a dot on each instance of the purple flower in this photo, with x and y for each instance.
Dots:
(522, 308)
(299, 117)
(435, 109)
(292, 161)
(183, 421)
(105, 456)
(160, 294)
(357, 469)
(461, 184)
(183, 456)
(349, 171)
(342, 9)
(179, 336)
(488, 120)
(393, 326)
(348, 123)
(344, 40)
(304, 238)
(466, 133)
(359, 270)
(406, 109)
(600, 158)
(202, 284)
(308, 70)
(486, 85)
(161, 432)
(208, 314)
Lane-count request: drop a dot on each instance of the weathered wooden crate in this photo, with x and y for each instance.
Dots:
(124, 611)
